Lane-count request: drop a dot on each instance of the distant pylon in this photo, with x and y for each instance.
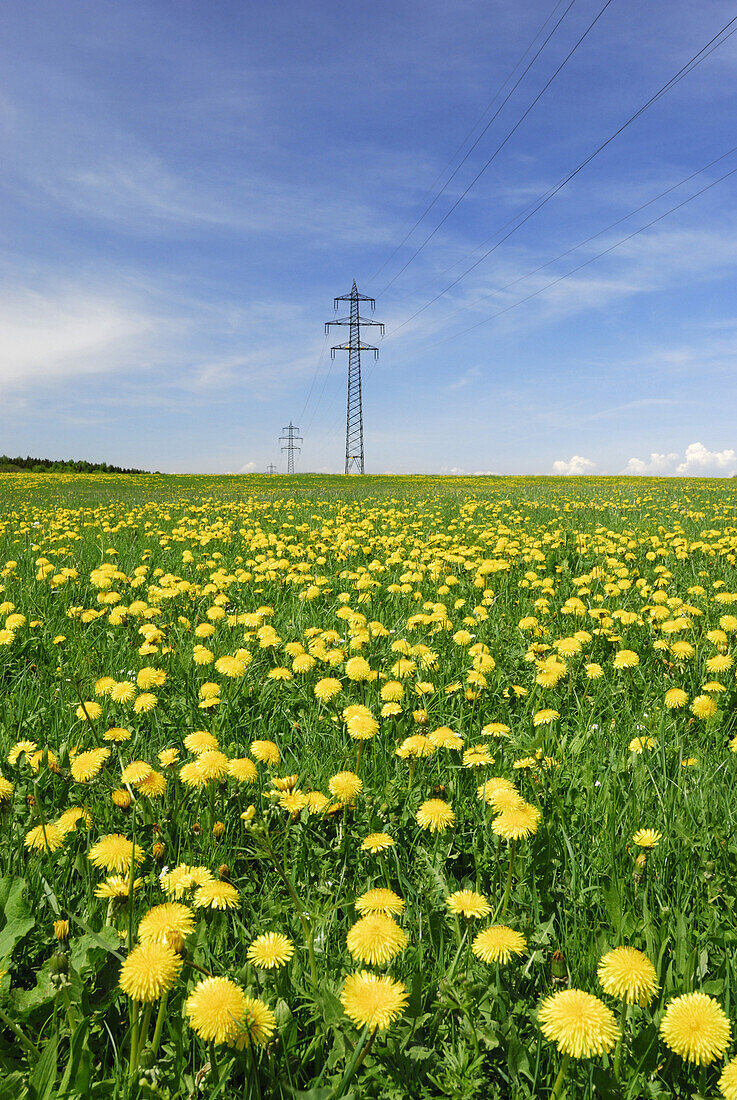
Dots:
(291, 438)
(271, 468)
(354, 459)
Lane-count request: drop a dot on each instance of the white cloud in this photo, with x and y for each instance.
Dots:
(699, 460)
(656, 464)
(249, 466)
(576, 466)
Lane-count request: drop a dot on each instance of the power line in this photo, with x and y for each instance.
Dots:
(592, 259)
(588, 240)
(496, 95)
(698, 57)
(314, 377)
(499, 147)
(321, 394)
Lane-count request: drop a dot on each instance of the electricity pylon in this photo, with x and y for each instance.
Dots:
(290, 438)
(271, 468)
(354, 415)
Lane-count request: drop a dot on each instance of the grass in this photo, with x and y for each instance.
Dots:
(345, 568)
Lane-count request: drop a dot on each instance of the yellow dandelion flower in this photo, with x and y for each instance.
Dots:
(703, 706)
(220, 1012)
(469, 903)
(169, 923)
(200, 741)
(116, 733)
(115, 852)
(498, 943)
(87, 765)
(183, 878)
(44, 838)
(373, 1001)
(380, 900)
(517, 822)
(696, 1028)
(646, 838)
(417, 745)
(728, 1081)
(144, 703)
(20, 748)
(629, 975)
(270, 951)
(377, 842)
(578, 1023)
(212, 764)
(266, 752)
(135, 772)
(358, 669)
(477, 756)
(87, 712)
(216, 895)
(117, 886)
(376, 939)
(122, 692)
(435, 815)
(344, 786)
(327, 688)
(149, 971)
(544, 717)
(153, 786)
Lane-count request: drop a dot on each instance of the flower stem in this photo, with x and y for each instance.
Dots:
(214, 1064)
(618, 1051)
(159, 1022)
(358, 1056)
(558, 1086)
(505, 902)
(133, 1065)
(304, 921)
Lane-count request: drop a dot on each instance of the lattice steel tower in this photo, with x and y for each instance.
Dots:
(354, 347)
(291, 439)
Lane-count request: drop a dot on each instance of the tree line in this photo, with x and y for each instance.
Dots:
(80, 466)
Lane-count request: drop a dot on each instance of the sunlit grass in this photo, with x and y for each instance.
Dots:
(506, 646)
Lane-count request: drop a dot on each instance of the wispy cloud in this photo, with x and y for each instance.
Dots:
(66, 333)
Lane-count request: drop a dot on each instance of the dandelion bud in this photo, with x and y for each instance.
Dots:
(157, 850)
(218, 829)
(31, 801)
(197, 828)
(122, 798)
(224, 872)
(559, 968)
(59, 970)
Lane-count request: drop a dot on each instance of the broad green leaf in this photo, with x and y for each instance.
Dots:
(17, 919)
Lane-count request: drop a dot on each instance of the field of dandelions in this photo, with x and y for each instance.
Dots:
(385, 787)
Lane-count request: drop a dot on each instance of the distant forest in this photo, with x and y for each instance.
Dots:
(41, 465)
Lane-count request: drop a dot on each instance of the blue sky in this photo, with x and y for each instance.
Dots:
(187, 186)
